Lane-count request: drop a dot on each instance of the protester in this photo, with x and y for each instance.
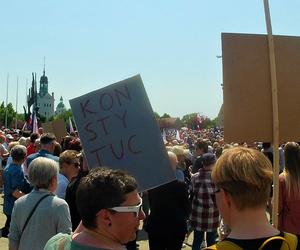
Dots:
(170, 207)
(201, 149)
(289, 190)
(3, 152)
(31, 147)
(110, 208)
(174, 162)
(205, 214)
(15, 184)
(243, 177)
(69, 168)
(73, 186)
(51, 215)
(47, 141)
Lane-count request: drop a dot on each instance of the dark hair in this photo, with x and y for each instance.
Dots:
(33, 137)
(102, 188)
(202, 145)
(57, 149)
(47, 138)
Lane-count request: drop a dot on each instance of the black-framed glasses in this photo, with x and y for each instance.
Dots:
(218, 190)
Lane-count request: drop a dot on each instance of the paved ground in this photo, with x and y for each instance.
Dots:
(142, 241)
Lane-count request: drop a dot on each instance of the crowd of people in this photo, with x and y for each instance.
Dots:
(221, 193)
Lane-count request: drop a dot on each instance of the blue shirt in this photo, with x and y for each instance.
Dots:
(41, 153)
(13, 179)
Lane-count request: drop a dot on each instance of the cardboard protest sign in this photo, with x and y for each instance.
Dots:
(247, 87)
(118, 129)
(58, 128)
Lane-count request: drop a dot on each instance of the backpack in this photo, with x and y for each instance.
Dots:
(290, 243)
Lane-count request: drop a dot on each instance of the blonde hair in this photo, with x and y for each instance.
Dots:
(246, 174)
(292, 168)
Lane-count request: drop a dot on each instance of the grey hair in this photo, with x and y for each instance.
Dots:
(18, 153)
(41, 171)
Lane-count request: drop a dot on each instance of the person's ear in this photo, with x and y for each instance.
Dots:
(227, 198)
(104, 216)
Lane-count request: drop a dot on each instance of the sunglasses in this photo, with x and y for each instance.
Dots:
(127, 209)
(76, 164)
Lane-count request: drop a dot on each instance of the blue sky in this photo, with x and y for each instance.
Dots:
(90, 44)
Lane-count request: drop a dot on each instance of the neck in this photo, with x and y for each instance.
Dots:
(98, 239)
(251, 224)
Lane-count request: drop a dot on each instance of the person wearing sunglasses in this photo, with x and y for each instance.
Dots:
(111, 209)
(68, 169)
(243, 177)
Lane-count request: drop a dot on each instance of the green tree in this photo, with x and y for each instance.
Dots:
(64, 115)
(188, 120)
(156, 115)
(165, 115)
(11, 114)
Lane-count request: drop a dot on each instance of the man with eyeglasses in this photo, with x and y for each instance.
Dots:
(68, 169)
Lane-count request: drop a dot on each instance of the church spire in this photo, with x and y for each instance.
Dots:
(44, 65)
(44, 81)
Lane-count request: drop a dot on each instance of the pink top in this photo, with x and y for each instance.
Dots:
(289, 209)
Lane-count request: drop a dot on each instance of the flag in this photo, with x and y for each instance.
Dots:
(177, 135)
(35, 128)
(164, 135)
(71, 125)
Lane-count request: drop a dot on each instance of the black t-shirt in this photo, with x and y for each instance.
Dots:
(254, 244)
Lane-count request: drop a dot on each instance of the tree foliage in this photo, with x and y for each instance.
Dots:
(11, 114)
(188, 119)
(156, 115)
(165, 115)
(64, 115)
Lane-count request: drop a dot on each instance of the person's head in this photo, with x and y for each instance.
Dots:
(57, 149)
(66, 142)
(9, 138)
(173, 159)
(244, 178)
(47, 141)
(69, 163)
(179, 152)
(292, 164)
(12, 144)
(33, 137)
(208, 159)
(37, 145)
(43, 173)
(23, 141)
(41, 130)
(201, 147)
(100, 194)
(18, 154)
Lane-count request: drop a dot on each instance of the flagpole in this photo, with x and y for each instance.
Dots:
(275, 115)
(6, 109)
(17, 96)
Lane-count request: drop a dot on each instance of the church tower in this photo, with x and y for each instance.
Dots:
(45, 101)
(43, 83)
